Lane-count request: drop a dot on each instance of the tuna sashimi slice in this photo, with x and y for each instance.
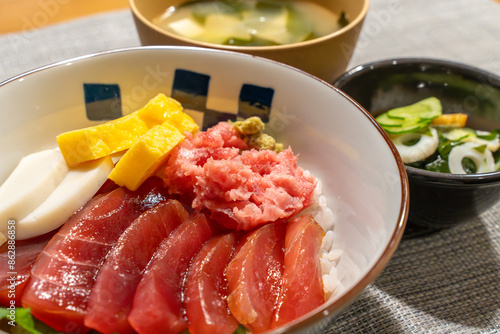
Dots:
(158, 301)
(302, 284)
(112, 295)
(24, 253)
(254, 276)
(206, 288)
(64, 274)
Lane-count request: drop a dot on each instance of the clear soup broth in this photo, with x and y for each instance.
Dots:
(250, 23)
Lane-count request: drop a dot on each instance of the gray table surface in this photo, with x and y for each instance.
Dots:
(446, 282)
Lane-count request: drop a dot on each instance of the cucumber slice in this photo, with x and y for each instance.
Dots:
(459, 134)
(427, 109)
(399, 126)
(386, 121)
(405, 127)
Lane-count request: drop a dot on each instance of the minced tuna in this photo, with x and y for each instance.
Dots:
(240, 187)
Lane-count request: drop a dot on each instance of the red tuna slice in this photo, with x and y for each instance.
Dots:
(302, 283)
(27, 252)
(206, 288)
(112, 295)
(254, 276)
(63, 276)
(158, 301)
(24, 253)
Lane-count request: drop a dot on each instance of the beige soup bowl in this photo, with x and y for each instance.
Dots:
(325, 57)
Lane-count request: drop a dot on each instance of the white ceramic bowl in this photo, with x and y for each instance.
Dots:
(363, 177)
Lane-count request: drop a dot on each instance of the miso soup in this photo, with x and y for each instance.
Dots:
(250, 23)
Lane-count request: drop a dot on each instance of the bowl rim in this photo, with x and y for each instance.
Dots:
(350, 26)
(347, 297)
(413, 172)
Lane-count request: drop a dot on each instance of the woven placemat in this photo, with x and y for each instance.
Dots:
(445, 282)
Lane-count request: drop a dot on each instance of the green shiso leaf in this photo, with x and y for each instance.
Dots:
(3, 313)
(25, 323)
(23, 319)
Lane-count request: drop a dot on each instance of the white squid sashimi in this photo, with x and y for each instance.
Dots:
(422, 149)
(484, 161)
(34, 178)
(79, 185)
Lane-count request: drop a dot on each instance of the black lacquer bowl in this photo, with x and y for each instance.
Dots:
(437, 200)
